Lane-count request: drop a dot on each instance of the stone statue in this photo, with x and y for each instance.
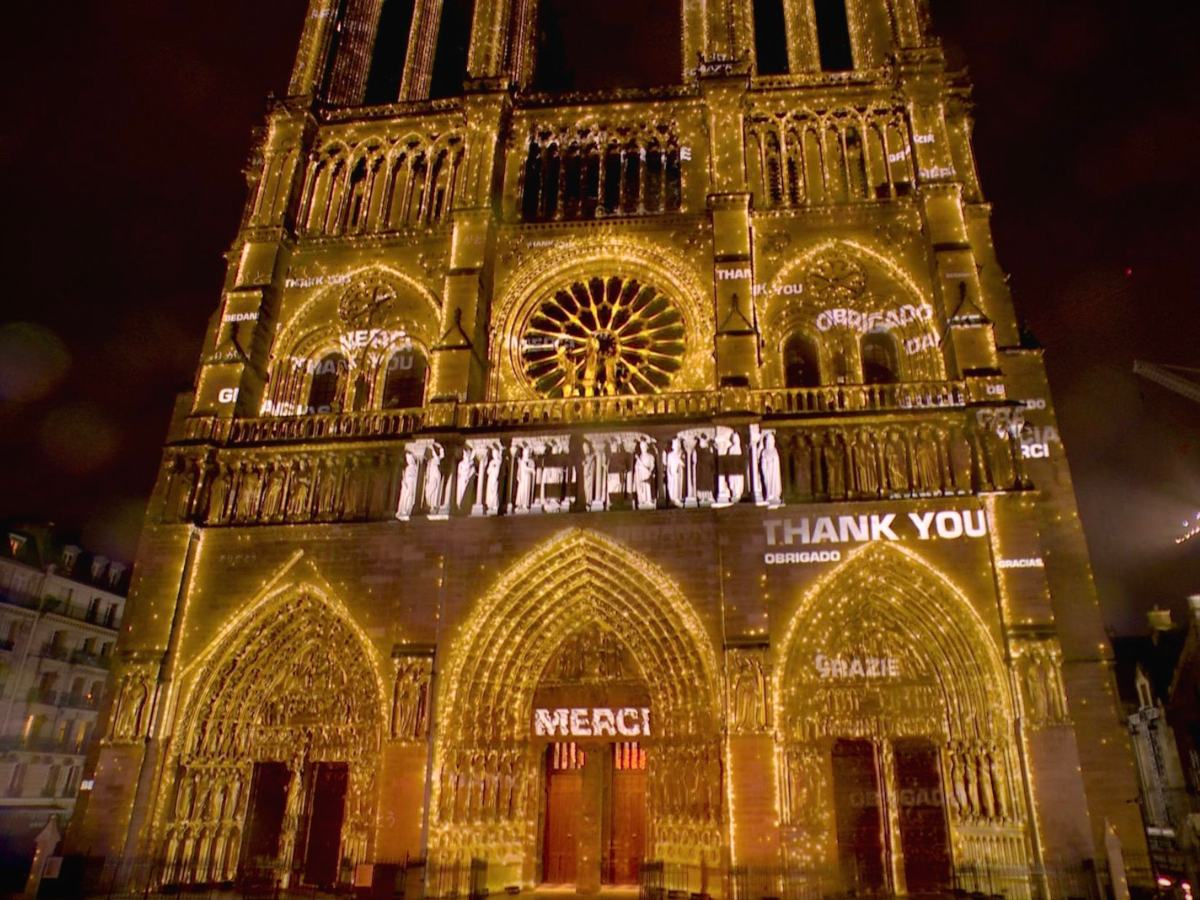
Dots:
(732, 468)
(866, 467)
(769, 468)
(960, 460)
(408, 484)
(495, 472)
(895, 458)
(467, 468)
(567, 366)
(706, 470)
(835, 465)
(273, 499)
(526, 479)
(433, 478)
(587, 475)
(928, 469)
(643, 476)
(749, 713)
(676, 471)
(620, 470)
(999, 456)
(299, 491)
(410, 701)
(797, 468)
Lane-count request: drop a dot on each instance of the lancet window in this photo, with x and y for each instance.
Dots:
(814, 158)
(594, 175)
(833, 35)
(372, 188)
(404, 379)
(770, 38)
(800, 363)
(328, 374)
(878, 351)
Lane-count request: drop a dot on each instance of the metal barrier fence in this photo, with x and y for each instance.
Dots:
(671, 881)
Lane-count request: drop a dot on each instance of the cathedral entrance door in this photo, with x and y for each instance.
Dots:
(327, 809)
(859, 820)
(923, 837)
(627, 842)
(564, 797)
(264, 821)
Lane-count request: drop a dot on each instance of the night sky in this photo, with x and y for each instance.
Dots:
(126, 125)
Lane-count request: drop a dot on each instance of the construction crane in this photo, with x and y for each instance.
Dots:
(1163, 376)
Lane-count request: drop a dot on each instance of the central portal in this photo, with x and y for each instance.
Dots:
(595, 812)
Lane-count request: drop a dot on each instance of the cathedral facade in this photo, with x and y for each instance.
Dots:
(582, 482)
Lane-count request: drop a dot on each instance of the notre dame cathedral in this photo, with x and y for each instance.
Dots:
(614, 459)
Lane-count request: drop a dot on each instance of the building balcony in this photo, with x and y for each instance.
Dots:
(17, 743)
(45, 696)
(80, 658)
(56, 651)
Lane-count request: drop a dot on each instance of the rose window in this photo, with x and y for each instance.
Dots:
(837, 279)
(602, 338)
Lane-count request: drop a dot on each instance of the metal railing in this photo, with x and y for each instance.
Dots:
(661, 880)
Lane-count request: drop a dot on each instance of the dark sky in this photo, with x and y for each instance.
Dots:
(126, 124)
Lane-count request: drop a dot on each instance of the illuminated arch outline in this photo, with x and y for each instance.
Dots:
(942, 623)
(788, 315)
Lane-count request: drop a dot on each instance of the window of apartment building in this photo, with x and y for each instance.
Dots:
(82, 735)
(93, 610)
(51, 786)
(105, 649)
(71, 783)
(63, 732)
(110, 617)
(89, 646)
(16, 783)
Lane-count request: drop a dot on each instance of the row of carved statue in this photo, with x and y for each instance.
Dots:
(974, 781)
(711, 466)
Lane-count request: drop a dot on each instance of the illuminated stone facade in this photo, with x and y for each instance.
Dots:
(690, 424)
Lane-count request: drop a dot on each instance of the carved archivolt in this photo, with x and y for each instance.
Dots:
(604, 254)
(294, 681)
(519, 636)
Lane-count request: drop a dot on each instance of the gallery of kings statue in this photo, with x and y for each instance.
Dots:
(591, 483)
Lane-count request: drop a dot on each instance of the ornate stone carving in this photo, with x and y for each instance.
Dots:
(747, 674)
(410, 698)
(836, 279)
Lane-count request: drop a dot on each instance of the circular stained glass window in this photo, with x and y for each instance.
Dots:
(603, 337)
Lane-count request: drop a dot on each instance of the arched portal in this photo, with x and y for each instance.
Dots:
(278, 746)
(897, 759)
(552, 613)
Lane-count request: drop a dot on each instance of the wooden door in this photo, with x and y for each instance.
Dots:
(627, 844)
(859, 819)
(264, 821)
(564, 797)
(327, 810)
(923, 833)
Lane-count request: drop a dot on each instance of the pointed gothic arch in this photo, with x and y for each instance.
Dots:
(850, 291)
(882, 655)
(293, 682)
(575, 581)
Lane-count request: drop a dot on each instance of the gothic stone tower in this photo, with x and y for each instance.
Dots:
(579, 478)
